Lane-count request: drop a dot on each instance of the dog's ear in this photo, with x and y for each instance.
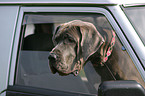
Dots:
(79, 39)
(91, 40)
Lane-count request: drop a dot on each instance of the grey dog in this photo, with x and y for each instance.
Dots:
(77, 41)
(74, 42)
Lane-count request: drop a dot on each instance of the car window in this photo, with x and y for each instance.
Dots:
(136, 16)
(109, 62)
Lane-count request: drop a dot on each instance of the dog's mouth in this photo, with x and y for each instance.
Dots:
(58, 67)
(62, 69)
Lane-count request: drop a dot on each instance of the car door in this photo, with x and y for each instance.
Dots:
(30, 73)
(8, 20)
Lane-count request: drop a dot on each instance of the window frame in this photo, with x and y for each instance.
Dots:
(68, 10)
(31, 91)
(131, 35)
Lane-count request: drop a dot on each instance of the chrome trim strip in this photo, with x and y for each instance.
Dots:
(133, 5)
(56, 3)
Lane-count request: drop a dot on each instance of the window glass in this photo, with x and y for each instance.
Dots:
(109, 62)
(136, 16)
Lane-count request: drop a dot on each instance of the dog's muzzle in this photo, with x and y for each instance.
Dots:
(52, 60)
(57, 66)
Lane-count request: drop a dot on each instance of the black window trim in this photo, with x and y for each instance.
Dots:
(40, 91)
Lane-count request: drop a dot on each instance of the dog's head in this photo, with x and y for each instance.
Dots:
(74, 42)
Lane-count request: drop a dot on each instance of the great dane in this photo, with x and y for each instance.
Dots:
(75, 42)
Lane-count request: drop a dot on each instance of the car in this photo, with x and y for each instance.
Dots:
(26, 32)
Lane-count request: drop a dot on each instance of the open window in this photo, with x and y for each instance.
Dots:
(35, 46)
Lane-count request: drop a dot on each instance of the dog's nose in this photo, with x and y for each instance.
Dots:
(52, 56)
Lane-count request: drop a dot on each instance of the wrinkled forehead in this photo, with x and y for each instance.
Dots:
(72, 31)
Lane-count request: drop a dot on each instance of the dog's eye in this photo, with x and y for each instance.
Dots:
(68, 39)
(57, 40)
